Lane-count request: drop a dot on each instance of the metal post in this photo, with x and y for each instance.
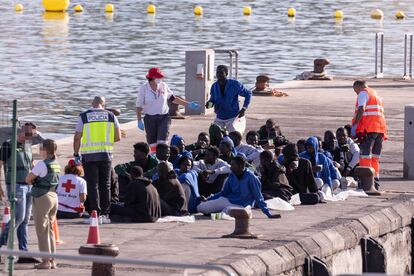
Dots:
(376, 54)
(405, 56)
(408, 56)
(12, 196)
(231, 64)
(410, 69)
(382, 55)
(379, 38)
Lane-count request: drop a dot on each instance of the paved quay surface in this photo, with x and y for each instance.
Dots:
(311, 108)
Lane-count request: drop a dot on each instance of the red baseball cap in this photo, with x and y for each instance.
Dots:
(155, 73)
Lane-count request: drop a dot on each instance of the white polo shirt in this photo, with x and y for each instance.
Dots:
(154, 102)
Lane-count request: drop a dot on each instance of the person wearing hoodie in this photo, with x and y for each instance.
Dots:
(216, 134)
(188, 177)
(241, 189)
(172, 196)
(320, 165)
(212, 172)
(142, 201)
(227, 150)
(179, 142)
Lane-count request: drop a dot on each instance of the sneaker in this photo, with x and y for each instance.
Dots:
(87, 221)
(104, 219)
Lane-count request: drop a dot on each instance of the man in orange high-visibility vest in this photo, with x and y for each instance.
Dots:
(369, 126)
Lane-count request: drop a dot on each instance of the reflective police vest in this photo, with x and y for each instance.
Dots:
(373, 119)
(43, 185)
(23, 163)
(98, 132)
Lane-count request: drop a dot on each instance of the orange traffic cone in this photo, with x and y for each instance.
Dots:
(6, 218)
(93, 237)
(56, 232)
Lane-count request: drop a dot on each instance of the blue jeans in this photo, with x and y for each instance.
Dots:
(22, 212)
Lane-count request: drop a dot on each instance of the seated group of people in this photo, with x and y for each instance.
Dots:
(219, 171)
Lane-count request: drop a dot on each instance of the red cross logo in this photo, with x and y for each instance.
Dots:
(68, 186)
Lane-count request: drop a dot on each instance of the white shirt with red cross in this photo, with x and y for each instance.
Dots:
(68, 190)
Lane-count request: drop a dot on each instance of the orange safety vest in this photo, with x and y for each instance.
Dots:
(373, 119)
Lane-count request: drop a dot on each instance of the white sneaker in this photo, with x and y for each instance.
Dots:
(104, 219)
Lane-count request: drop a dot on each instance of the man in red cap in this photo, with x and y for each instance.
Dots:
(152, 100)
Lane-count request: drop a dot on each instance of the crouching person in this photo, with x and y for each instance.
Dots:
(71, 192)
(172, 197)
(142, 202)
(241, 189)
(44, 178)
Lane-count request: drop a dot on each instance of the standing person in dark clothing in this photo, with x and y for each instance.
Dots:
(96, 132)
(142, 202)
(273, 178)
(24, 163)
(142, 159)
(172, 197)
(300, 175)
(224, 96)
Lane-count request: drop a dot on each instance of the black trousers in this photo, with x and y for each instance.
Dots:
(67, 215)
(98, 179)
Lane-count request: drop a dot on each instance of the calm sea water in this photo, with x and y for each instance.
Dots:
(54, 64)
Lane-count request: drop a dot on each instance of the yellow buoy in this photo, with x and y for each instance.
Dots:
(198, 10)
(400, 15)
(291, 12)
(151, 8)
(18, 7)
(55, 5)
(247, 10)
(78, 8)
(377, 14)
(339, 14)
(109, 8)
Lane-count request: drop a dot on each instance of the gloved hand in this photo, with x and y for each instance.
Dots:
(209, 104)
(193, 105)
(141, 125)
(241, 112)
(78, 160)
(353, 131)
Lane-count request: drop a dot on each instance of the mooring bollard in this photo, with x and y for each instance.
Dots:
(241, 230)
(99, 269)
(366, 175)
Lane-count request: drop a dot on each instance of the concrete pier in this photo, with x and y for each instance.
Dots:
(329, 231)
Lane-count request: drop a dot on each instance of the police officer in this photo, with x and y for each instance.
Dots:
(369, 126)
(96, 131)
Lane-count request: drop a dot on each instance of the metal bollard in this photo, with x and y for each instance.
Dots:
(99, 269)
(379, 38)
(408, 55)
(366, 175)
(241, 230)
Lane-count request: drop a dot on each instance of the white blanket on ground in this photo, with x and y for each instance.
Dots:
(186, 219)
(279, 204)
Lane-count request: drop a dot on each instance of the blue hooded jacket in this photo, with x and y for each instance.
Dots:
(244, 191)
(190, 178)
(227, 106)
(318, 158)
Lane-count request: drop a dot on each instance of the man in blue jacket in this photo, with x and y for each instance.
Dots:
(224, 96)
(241, 189)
